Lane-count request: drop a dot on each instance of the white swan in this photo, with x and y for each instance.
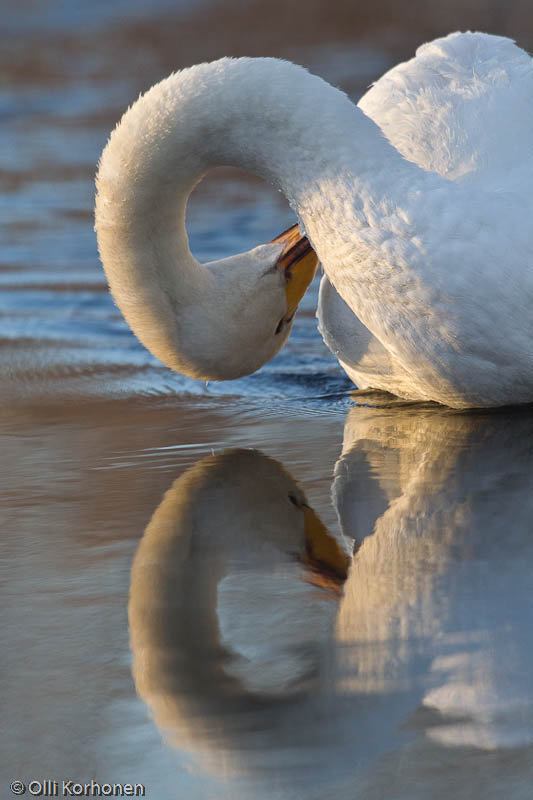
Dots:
(426, 236)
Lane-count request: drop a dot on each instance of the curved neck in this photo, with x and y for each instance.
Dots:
(264, 115)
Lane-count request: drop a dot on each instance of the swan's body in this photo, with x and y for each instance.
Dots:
(462, 109)
(431, 257)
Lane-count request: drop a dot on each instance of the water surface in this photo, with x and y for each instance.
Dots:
(414, 682)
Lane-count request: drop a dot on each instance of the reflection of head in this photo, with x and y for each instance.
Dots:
(226, 618)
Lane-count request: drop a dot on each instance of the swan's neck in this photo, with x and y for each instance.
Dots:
(264, 115)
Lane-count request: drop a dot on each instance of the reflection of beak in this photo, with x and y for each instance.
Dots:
(324, 555)
(299, 263)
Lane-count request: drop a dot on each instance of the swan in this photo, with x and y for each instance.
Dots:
(419, 216)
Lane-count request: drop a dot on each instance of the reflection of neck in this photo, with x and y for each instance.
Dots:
(178, 657)
(266, 116)
(200, 535)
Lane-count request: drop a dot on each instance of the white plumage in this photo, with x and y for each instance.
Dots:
(460, 109)
(424, 232)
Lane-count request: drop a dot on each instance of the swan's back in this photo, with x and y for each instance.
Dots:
(463, 107)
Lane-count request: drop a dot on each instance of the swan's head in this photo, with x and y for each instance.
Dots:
(244, 315)
(215, 321)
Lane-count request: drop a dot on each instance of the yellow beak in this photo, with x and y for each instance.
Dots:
(324, 555)
(299, 263)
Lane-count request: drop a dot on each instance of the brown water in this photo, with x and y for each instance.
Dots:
(416, 683)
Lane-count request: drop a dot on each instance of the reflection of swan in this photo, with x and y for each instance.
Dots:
(439, 596)
(231, 600)
(432, 256)
(425, 685)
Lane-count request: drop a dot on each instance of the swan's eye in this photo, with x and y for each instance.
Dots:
(294, 501)
(283, 322)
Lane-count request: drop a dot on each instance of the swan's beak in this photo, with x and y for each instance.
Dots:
(299, 263)
(324, 555)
